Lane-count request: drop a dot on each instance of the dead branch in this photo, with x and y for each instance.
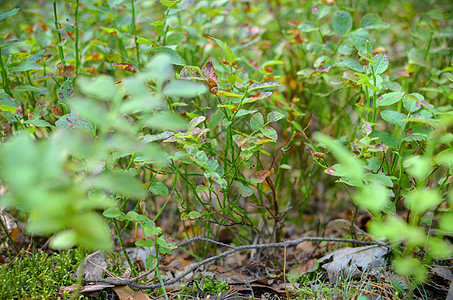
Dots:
(132, 281)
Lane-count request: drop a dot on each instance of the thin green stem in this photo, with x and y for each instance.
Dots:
(120, 238)
(77, 55)
(5, 229)
(60, 49)
(5, 77)
(134, 31)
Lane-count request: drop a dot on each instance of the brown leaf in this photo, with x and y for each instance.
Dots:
(209, 72)
(66, 70)
(56, 110)
(126, 67)
(260, 176)
(126, 293)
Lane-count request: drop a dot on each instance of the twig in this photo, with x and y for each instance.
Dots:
(131, 282)
(205, 240)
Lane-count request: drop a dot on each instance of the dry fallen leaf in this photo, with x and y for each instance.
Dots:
(126, 293)
(353, 260)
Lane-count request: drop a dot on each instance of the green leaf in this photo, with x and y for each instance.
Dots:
(102, 87)
(243, 112)
(352, 166)
(166, 121)
(274, 116)
(389, 98)
(320, 10)
(118, 182)
(112, 213)
(372, 21)
(385, 138)
(151, 262)
(410, 267)
(379, 177)
(307, 26)
(418, 167)
(10, 107)
(201, 188)
(342, 22)
(158, 188)
(72, 120)
(9, 14)
(65, 91)
(352, 64)
(38, 123)
(144, 41)
(359, 38)
(228, 54)
(193, 215)
(183, 88)
(421, 200)
(381, 63)
(91, 231)
(246, 191)
(64, 240)
(169, 3)
(373, 197)
(29, 88)
(175, 58)
(216, 118)
(25, 66)
(257, 121)
(393, 117)
(145, 243)
(269, 132)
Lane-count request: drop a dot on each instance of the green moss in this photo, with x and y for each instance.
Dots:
(38, 275)
(207, 285)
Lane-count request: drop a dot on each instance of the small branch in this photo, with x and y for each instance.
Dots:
(132, 282)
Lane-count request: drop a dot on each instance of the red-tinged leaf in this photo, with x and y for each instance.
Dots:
(9, 106)
(330, 171)
(350, 75)
(246, 191)
(196, 131)
(230, 107)
(209, 72)
(65, 92)
(270, 133)
(261, 176)
(111, 31)
(241, 141)
(157, 137)
(264, 85)
(126, 67)
(257, 97)
(399, 73)
(72, 120)
(191, 72)
(94, 56)
(195, 121)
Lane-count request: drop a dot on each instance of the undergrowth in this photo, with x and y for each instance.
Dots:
(240, 121)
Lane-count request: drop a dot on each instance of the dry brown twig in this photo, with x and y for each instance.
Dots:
(292, 243)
